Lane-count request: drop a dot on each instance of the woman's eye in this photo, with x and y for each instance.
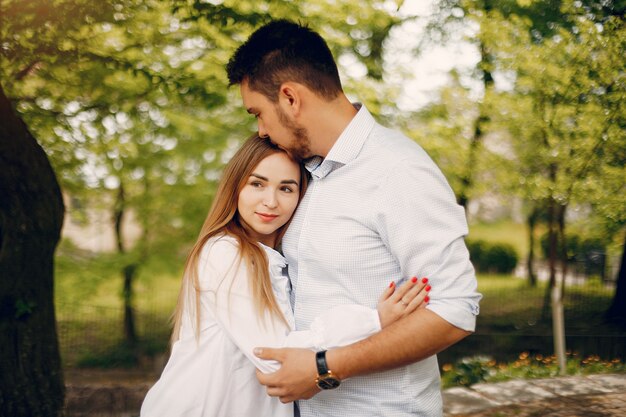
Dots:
(287, 189)
(256, 184)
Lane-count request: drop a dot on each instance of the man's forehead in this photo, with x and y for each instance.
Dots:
(252, 99)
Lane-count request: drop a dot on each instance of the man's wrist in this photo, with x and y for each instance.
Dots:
(326, 379)
(333, 359)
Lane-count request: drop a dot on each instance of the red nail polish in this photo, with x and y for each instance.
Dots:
(413, 280)
(426, 299)
(427, 288)
(391, 285)
(424, 280)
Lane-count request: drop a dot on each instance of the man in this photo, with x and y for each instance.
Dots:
(377, 206)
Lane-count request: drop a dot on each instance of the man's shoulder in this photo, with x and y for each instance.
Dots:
(393, 145)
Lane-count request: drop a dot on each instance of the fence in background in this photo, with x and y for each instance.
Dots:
(92, 335)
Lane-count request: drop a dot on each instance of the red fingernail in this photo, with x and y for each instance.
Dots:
(391, 285)
(427, 288)
(413, 280)
(426, 299)
(424, 280)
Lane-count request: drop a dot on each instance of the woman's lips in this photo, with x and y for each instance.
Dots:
(267, 217)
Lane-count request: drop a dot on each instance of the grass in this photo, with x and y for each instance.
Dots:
(89, 308)
(89, 311)
(509, 232)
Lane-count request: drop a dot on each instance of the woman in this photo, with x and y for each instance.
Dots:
(235, 296)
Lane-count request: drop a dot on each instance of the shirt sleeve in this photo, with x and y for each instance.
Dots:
(227, 292)
(423, 226)
(339, 326)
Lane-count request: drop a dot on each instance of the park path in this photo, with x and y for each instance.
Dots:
(571, 396)
(119, 393)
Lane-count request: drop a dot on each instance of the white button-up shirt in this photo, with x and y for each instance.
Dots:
(214, 375)
(378, 209)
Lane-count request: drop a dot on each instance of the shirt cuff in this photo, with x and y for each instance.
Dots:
(455, 315)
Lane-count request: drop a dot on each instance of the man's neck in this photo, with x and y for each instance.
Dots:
(327, 122)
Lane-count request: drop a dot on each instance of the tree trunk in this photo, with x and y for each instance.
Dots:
(531, 222)
(467, 179)
(563, 246)
(130, 334)
(617, 312)
(31, 216)
(128, 272)
(552, 256)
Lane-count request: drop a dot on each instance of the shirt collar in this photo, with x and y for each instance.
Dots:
(274, 257)
(347, 146)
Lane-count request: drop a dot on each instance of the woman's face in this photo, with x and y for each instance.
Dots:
(269, 197)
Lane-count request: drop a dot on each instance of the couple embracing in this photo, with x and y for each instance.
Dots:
(331, 268)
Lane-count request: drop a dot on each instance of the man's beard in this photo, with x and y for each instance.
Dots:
(301, 147)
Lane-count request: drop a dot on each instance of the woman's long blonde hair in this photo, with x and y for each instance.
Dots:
(223, 218)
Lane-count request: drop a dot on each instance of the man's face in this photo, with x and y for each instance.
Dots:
(274, 123)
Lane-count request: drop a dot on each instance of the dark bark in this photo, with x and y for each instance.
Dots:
(617, 312)
(467, 180)
(532, 223)
(31, 216)
(552, 256)
(562, 246)
(128, 272)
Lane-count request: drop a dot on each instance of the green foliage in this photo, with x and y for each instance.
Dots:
(561, 116)
(499, 258)
(469, 371)
(589, 252)
(130, 101)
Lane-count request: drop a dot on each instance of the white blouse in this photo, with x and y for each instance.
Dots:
(215, 375)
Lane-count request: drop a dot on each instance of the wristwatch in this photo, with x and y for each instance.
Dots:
(325, 378)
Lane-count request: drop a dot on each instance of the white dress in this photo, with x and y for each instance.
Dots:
(215, 375)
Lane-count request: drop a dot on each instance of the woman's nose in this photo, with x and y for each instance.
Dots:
(270, 200)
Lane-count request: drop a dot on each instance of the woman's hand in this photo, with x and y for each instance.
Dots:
(396, 303)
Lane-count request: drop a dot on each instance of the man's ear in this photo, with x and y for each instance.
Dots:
(290, 98)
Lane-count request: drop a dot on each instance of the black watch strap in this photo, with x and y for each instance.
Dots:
(320, 360)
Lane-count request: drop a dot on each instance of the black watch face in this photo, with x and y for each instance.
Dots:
(328, 383)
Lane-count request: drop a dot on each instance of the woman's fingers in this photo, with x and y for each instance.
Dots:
(419, 300)
(399, 301)
(414, 292)
(400, 295)
(388, 292)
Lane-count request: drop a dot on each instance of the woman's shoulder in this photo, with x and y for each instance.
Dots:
(222, 247)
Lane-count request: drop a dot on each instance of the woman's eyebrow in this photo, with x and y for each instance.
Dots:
(261, 177)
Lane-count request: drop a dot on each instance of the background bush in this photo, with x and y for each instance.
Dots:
(499, 258)
(587, 254)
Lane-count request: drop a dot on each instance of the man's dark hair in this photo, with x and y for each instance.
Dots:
(282, 51)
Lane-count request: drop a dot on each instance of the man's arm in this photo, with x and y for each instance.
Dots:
(424, 230)
(415, 337)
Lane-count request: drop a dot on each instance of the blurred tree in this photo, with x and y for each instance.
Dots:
(130, 101)
(564, 112)
(543, 19)
(31, 216)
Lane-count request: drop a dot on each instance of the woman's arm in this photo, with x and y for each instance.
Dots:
(346, 324)
(228, 297)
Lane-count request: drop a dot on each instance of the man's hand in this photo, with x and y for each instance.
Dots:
(295, 380)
